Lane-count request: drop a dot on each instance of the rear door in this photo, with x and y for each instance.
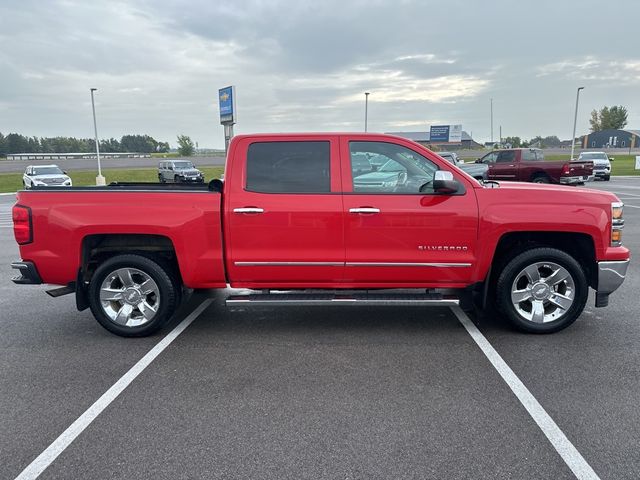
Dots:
(396, 235)
(283, 212)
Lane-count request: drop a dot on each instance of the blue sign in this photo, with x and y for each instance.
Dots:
(227, 103)
(439, 133)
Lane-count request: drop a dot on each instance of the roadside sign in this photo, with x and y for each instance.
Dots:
(637, 162)
(439, 133)
(227, 103)
(445, 134)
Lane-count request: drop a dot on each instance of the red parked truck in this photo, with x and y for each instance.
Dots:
(528, 165)
(299, 221)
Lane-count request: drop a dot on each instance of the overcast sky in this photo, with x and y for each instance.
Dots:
(304, 66)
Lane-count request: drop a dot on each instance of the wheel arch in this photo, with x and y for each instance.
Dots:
(97, 248)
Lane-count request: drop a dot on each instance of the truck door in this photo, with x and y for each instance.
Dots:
(505, 166)
(396, 235)
(283, 212)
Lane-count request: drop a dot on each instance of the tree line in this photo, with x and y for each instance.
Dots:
(16, 143)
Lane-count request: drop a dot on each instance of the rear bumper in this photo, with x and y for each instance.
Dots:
(610, 276)
(28, 274)
(576, 179)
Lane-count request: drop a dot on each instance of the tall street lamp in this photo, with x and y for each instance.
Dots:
(99, 179)
(366, 109)
(575, 120)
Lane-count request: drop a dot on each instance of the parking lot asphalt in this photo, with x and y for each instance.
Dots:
(335, 392)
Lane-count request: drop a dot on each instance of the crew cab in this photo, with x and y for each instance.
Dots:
(295, 222)
(528, 165)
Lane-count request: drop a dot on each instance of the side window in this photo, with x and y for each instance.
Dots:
(396, 170)
(508, 156)
(490, 158)
(528, 156)
(289, 167)
(539, 155)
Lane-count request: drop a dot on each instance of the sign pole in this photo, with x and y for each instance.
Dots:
(227, 104)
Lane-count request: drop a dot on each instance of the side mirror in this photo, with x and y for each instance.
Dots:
(65, 172)
(611, 159)
(444, 183)
(478, 160)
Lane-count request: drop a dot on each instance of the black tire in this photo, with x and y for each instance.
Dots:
(160, 178)
(540, 178)
(606, 179)
(176, 179)
(167, 296)
(541, 258)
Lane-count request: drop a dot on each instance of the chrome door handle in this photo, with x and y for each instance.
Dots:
(248, 210)
(364, 210)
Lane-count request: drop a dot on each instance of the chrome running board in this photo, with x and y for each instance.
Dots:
(324, 299)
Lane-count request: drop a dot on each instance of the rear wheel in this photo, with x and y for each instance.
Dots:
(132, 295)
(542, 290)
(540, 178)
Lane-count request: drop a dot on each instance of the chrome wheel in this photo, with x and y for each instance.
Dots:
(129, 297)
(543, 292)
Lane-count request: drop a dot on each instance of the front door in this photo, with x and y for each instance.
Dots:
(505, 166)
(397, 231)
(283, 208)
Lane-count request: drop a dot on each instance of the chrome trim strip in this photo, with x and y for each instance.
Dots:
(364, 210)
(289, 264)
(399, 264)
(248, 210)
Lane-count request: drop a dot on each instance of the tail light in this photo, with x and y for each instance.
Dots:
(22, 225)
(566, 169)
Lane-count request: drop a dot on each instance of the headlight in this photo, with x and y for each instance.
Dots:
(38, 182)
(617, 223)
(389, 183)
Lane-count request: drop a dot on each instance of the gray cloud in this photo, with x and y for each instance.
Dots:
(305, 65)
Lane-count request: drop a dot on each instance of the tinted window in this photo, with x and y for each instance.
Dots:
(289, 167)
(47, 171)
(404, 170)
(508, 156)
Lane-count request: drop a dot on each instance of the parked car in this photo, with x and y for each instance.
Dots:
(479, 171)
(601, 163)
(179, 171)
(45, 176)
(529, 165)
(294, 222)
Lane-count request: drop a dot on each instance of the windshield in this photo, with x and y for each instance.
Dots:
(183, 165)
(47, 171)
(593, 156)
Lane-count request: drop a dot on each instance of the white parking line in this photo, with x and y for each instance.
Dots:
(60, 444)
(571, 456)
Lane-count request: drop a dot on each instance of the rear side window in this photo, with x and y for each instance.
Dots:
(289, 167)
(532, 156)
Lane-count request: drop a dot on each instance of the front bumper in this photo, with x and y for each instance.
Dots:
(28, 273)
(610, 277)
(576, 180)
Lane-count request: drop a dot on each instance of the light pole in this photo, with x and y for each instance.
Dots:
(575, 120)
(99, 179)
(492, 121)
(366, 109)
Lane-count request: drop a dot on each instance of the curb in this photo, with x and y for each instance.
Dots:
(8, 193)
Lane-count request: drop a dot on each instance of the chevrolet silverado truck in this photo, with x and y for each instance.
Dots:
(528, 165)
(295, 223)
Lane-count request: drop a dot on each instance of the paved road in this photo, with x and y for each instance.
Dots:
(15, 166)
(319, 393)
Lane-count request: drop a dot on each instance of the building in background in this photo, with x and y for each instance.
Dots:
(612, 139)
(423, 138)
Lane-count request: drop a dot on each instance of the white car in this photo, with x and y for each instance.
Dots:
(45, 176)
(601, 163)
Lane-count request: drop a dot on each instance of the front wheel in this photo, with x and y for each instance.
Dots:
(132, 295)
(542, 290)
(606, 178)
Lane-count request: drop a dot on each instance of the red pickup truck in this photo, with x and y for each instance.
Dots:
(528, 165)
(299, 221)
